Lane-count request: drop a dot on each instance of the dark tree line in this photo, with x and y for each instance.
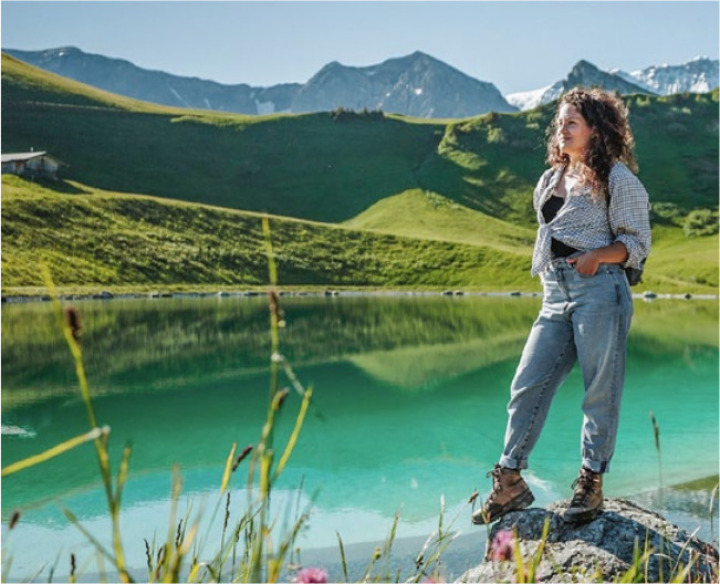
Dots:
(342, 113)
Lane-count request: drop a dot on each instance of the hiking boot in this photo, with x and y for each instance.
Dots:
(587, 501)
(509, 493)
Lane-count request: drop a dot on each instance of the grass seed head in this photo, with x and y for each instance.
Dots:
(242, 456)
(72, 318)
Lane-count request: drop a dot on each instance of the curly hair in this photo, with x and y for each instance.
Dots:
(611, 140)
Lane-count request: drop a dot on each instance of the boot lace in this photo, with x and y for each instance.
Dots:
(584, 487)
(497, 487)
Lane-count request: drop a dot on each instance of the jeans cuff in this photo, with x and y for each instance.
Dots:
(595, 466)
(513, 463)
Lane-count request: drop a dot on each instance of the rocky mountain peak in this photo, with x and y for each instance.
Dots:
(583, 66)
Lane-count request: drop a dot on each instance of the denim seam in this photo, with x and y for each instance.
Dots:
(617, 382)
(621, 317)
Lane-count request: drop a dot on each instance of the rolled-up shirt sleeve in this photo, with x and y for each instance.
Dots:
(629, 214)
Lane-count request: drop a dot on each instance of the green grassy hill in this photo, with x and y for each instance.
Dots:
(115, 240)
(93, 239)
(457, 189)
(329, 168)
(418, 213)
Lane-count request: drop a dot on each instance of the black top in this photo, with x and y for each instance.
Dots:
(549, 210)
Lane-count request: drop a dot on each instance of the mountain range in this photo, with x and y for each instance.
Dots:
(697, 76)
(415, 85)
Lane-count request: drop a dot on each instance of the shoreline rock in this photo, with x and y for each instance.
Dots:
(108, 295)
(599, 551)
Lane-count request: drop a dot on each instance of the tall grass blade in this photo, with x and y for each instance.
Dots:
(713, 494)
(91, 538)
(37, 573)
(101, 442)
(72, 344)
(343, 559)
(122, 475)
(272, 268)
(115, 510)
(389, 541)
(182, 550)
(656, 434)
(678, 569)
(228, 468)
(61, 448)
(292, 441)
(376, 556)
(519, 564)
(6, 565)
(537, 556)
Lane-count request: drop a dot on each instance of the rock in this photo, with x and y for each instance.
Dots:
(599, 551)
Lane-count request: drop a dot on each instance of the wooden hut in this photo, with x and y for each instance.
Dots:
(38, 164)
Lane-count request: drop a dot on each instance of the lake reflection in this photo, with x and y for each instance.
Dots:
(409, 404)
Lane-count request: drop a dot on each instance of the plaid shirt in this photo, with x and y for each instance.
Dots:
(586, 224)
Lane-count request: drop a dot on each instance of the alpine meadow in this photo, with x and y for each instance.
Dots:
(155, 197)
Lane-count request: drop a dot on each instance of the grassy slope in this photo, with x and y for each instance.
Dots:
(113, 239)
(458, 182)
(45, 87)
(148, 242)
(426, 214)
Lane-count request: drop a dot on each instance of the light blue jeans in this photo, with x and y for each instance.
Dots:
(585, 319)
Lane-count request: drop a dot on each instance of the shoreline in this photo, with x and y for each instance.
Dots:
(18, 298)
(467, 550)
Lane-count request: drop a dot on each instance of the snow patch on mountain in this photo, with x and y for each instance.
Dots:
(178, 96)
(526, 100)
(699, 75)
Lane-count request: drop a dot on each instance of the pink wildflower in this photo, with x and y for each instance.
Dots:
(311, 576)
(503, 546)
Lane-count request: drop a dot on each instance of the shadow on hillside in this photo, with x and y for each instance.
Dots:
(61, 186)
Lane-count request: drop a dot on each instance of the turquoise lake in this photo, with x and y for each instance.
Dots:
(408, 408)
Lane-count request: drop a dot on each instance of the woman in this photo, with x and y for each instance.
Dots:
(594, 222)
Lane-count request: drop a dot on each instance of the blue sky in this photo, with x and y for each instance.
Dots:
(518, 46)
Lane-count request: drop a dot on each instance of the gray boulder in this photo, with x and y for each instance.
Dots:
(599, 551)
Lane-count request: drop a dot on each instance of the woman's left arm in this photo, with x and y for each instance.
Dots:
(629, 219)
(629, 214)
